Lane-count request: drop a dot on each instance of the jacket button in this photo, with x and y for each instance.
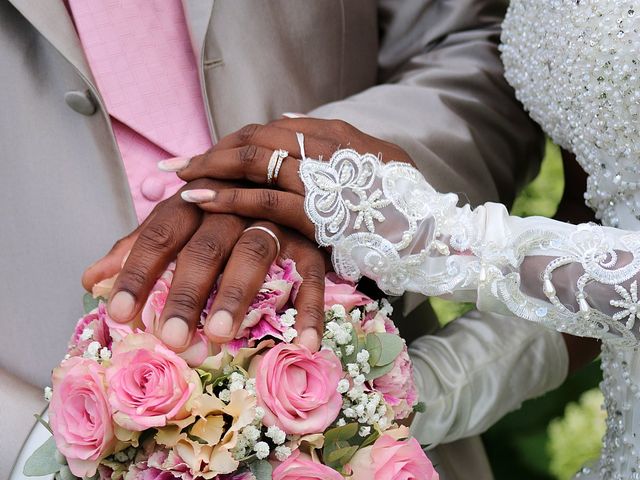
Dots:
(81, 102)
(152, 189)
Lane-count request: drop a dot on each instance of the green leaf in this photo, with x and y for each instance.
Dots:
(419, 407)
(377, 372)
(370, 439)
(42, 461)
(261, 469)
(374, 347)
(345, 432)
(339, 457)
(392, 346)
(358, 344)
(89, 302)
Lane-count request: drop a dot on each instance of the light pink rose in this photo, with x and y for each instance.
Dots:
(391, 459)
(148, 383)
(80, 416)
(97, 321)
(297, 388)
(342, 292)
(301, 467)
(398, 387)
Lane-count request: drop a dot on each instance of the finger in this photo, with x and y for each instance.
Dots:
(273, 137)
(243, 276)
(198, 265)
(283, 208)
(309, 302)
(158, 243)
(248, 162)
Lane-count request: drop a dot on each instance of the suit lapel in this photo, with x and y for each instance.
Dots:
(52, 20)
(198, 14)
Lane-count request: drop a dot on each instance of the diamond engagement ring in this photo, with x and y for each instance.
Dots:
(275, 163)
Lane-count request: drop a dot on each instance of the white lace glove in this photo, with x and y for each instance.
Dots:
(386, 222)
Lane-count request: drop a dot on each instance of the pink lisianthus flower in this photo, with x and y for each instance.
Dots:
(398, 387)
(301, 466)
(342, 292)
(392, 459)
(159, 464)
(94, 323)
(149, 384)
(80, 415)
(298, 389)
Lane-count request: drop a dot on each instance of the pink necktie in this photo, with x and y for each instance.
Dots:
(141, 56)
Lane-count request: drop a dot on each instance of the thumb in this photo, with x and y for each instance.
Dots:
(111, 263)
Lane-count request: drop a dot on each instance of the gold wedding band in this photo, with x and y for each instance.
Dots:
(268, 232)
(275, 163)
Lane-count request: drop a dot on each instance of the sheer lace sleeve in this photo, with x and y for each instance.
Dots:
(386, 222)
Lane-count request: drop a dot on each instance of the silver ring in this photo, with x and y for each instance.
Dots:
(275, 163)
(268, 232)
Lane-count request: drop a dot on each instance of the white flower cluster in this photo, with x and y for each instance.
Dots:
(288, 320)
(367, 408)
(237, 381)
(253, 439)
(96, 352)
(338, 331)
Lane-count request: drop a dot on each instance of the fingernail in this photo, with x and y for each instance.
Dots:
(220, 324)
(174, 164)
(175, 332)
(309, 338)
(121, 306)
(294, 115)
(199, 195)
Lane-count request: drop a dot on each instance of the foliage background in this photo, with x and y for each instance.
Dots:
(518, 446)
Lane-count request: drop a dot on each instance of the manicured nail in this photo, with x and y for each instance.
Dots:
(121, 306)
(309, 338)
(174, 164)
(175, 332)
(199, 195)
(220, 324)
(294, 115)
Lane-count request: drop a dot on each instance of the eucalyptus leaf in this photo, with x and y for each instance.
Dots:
(392, 346)
(374, 347)
(262, 470)
(370, 439)
(42, 461)
(89, 303)
(377, 372)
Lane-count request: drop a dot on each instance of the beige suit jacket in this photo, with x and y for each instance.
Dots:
(421, 73)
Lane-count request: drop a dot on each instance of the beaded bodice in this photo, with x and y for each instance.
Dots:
(575, 65)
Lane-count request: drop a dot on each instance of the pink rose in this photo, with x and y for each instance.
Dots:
(342, 292)
(302, 467)
(80, 415)
(297, 388)
(391, 459)
(398, 387)
(148, 383)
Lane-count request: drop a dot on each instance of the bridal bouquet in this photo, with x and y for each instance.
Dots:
(124, 406)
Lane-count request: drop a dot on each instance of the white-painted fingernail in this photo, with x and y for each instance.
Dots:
(174, 164)
(198, 195)
(294, 115)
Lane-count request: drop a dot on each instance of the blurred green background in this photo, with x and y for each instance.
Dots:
(552, 436)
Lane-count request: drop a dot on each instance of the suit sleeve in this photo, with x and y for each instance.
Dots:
(443, 98)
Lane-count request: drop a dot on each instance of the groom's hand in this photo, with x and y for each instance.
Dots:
(205, 244)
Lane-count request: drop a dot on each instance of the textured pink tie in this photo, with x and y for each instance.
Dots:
(141, 56)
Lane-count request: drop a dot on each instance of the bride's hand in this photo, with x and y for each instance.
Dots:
(245, 155)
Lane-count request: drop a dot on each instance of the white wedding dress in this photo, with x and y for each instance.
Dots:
(576, 67)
